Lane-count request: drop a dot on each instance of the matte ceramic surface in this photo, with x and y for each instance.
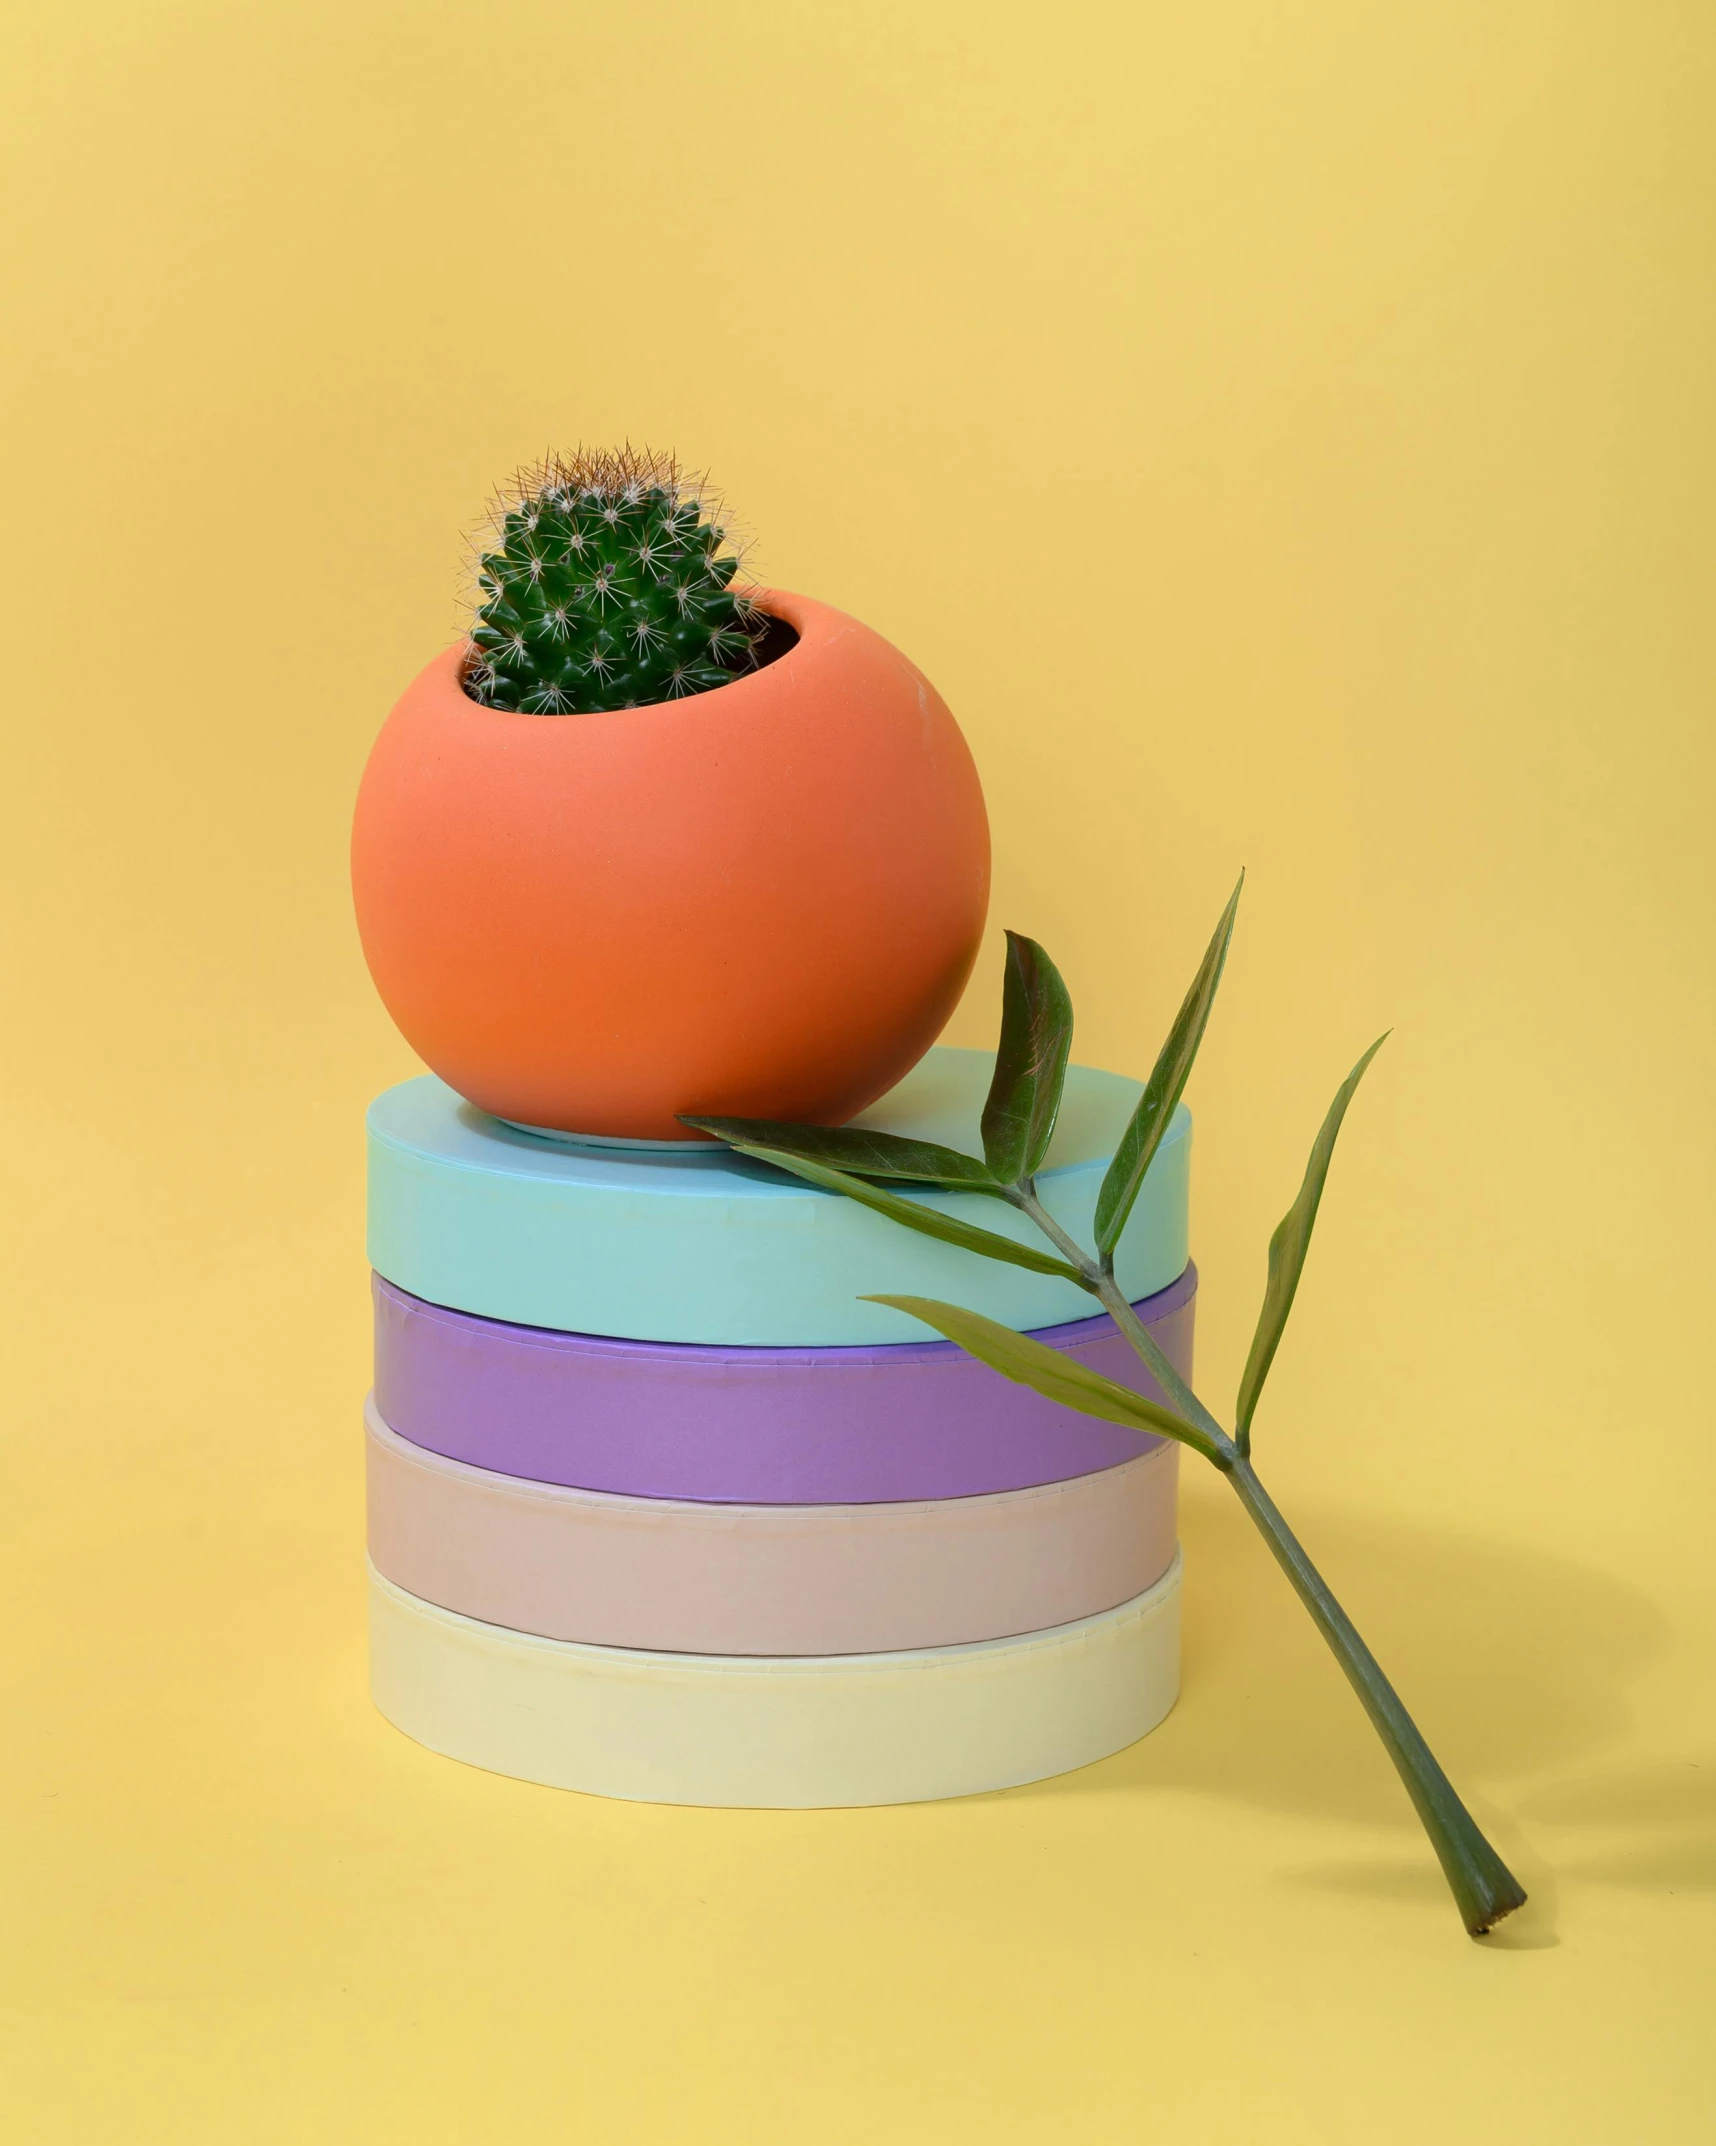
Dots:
(707, 1247)
(762, 901)
(669, 1575)
(866, 1425)
(785, 1732)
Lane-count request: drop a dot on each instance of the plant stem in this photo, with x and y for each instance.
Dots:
(1100, 1283)
(1483, 1887)
(1145, 1345)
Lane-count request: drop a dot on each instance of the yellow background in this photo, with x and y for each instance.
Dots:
(1285, 435)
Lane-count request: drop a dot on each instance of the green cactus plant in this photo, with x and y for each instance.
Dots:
(606, 584)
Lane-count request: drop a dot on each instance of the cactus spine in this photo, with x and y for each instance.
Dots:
(608, 585)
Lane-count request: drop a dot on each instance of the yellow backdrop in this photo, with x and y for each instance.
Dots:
(1285, 435)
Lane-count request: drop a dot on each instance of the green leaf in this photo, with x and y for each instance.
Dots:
(1287, 1250)
(1030, 1063)
(851, 1147)
(1056, 1377)
(930, 1220)
(1162, 1091)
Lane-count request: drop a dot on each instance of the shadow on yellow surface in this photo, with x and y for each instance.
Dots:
(1654, 1825)
(1515, 1664)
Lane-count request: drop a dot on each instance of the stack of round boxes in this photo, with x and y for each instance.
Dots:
(661, 1508)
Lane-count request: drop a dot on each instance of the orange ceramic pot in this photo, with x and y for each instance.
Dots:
(762, 901)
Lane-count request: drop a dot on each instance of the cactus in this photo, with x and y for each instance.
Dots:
(608, 585)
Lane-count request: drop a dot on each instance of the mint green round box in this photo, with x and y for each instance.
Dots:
(706, 1246)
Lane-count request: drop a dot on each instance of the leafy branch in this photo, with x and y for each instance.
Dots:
(1018, 1125)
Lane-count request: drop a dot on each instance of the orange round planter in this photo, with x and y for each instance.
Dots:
(762, 901)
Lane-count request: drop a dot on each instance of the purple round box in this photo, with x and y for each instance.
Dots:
(828, 1426)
